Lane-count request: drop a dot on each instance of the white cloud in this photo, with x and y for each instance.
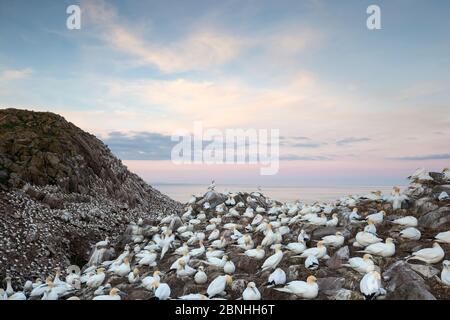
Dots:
(15, 74)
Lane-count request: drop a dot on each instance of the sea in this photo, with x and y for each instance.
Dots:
(183, 192)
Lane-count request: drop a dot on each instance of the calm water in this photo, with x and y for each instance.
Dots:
(183, 193)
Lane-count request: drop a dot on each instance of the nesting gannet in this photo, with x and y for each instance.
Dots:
(113, 295)
(251, 292)
(370, 228)
(302, 289)
(370, 285)
(258, 253)
(216, 261)
(229, 267)
(366, 238)
(148, 259)
(273, 261)
(303, 236)
(257, 219)
(277, 277)
(397, 199)
(17, 296)
(296, 247)
(184, 270)
(408, 221)
(354, 217)
(428, 255)
(200, 277)
(214, 235)
(197, 252)
(148, 281)
(96, 280)
(311, 263)
(410, 233)
(39, 290)
(445, 274)
(443, 237)
(218, 285)
(162, 291)
(333, 222)
(193, 296)
(334, 240)
(186, 257)
(319, 252)
(219, 243)
(123, 269)
(362, 265)
(386, 249)
(376, 218)
(49, 293)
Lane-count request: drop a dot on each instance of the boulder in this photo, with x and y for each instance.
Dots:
(436, 218)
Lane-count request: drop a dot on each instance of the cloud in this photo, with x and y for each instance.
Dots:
(15, 74)
(424, 157)
(294, 157)
(351, 140)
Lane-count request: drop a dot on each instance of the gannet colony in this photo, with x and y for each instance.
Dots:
(219, 245)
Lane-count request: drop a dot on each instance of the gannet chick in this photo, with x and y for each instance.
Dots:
(96, 280)
(319, 252)
(148, 281)
(200, 277)
(335, 241)
(376, 218)
(133, 276)
(311, 263)
(229, 267)
(162, 291)
(251, 292)
(410, 233)
(273, 261)
(428, 255)
(258, 253)
(443, 237)
(113, 295)
(362, 265)
(296, 247)
(370, 285)
(366, 238)
(302, 289)
(333, 222)
(218, 285)
(277, 277)
(370, 228)
(408, 221)
(386, 249)
(445, 274)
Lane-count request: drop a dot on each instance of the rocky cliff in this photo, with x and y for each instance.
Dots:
(60, 190)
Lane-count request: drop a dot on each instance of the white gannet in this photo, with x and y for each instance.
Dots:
(362, 265)
(302, 289)
(162, 291)
(197, 252)
(277, 277)
(319, 252)
(113, 295)
(219, 243)
(39, 290)
(397, 199)
(428, 255)
(123, 269)
(333, 222)
(445, 274)
(148, 259)
(193, 199)
(370, 228)
(17, 296)
(410, 233)
(251, 292)
(443, 237)
(193, 296)
(210, 227)
(148, 281)
(366, 238)
(229, 267)
(218, 285)
(334, 240)
(303, 236)
(273, 261)
(200, 277)
(184, 270)
(214, 235)
(49, 293)
(311, 263)
(408, 221)
(186, 257)
(386, 249)
(354, 217)
(257, 219)
(9, 289)
(370, 285)
(258, 253)
(3, 294)
(376, 218)
(97, 279)
(296, 247)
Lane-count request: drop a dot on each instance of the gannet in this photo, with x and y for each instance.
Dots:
(197, 252)
(220, 243)
(428, 255)
(162, 291)
(17, 296)
(229, 267)
(234, 213)
(443, 237)
(273, 261)
(96, 280)
(9, 289)
(257, 219)
(303, 236)
(443, 196)
(245, 242)
(311, 263)
(386, 249)
(210, 252)
(249, 213)
(182, 250)
(397, 199)
(133, 276)
(302, 289)
(410, 233)
(39, 290)
(186, 257)
(216, 261)
(366, 238)
(296, 247)
(200, 277)
(370, 285)
(370, 228)
(334, 240)
(333, 222)
(148, 259)
(113, 295)
(445, 274)
(50, 294)
(258, 253)
(101, 290)
(193, 199)
(354, 217)
(271, 237)
(184, 270)
(218, 285)
(420, 175)
(251, 292)
(277, 277)
(148, 281)
(214, 235)
(103, 243)
(408, 221)
(210, 227)
(193, 296)
(362, 265)
(376, 218)
(123, 269)
(319, 252)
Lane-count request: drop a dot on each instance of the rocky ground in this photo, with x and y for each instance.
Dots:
(61, 190)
